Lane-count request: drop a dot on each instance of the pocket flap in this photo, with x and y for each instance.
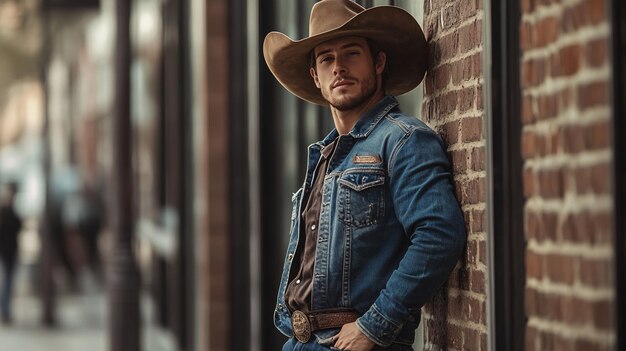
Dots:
(362, 179)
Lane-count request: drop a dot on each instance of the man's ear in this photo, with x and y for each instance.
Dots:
(315, 78)
(381, 61)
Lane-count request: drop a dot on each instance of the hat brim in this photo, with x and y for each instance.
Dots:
(395, 31)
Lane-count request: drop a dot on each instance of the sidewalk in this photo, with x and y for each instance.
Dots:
(82, 322)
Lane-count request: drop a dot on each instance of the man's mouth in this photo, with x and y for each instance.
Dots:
(343, 82)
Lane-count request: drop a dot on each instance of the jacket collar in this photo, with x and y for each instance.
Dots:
(366, 123)
(370, 119)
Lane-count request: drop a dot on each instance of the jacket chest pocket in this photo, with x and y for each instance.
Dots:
(361, 196)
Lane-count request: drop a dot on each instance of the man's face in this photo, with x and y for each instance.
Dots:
(346, 73)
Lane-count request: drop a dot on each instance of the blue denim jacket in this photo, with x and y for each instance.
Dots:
(390, 229)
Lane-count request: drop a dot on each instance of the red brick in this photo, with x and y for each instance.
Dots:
(560, 268)
(450, 132)
(541, 144)
(528, 6)
(532, 225)
(477, 281)
(549, 223)
(547, 306)
(530, 337)
(527, 73)
(593, 94)
(472, 128)
(471, 339)
(573, 311)
(534, 265)
(450, 15)
(442, 76)
(529, 148)
(547, 106)
(587, 345)
(478, 158)
(474, 191)
(470, 36)
(567, 61)
(539, 71)
(472, 309)
(598, 136)
(563, 343)
(455, 337)
(459, 161)
(574, 17)
(526, 36)
(596, 52)
(529, 182)
(597, 273)
(550, 183)
(527, 110)
(482, 252)
(545, 31)
(582, 178)
(466, 69)
(601, 178)
(603, 314)
(448, 46)
(578, 228)
(467, 8)
(471, 251)
(572, 138)
(467, 97)
(483, 342)
(596, 10)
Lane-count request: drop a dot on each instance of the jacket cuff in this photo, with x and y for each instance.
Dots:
(378, 328)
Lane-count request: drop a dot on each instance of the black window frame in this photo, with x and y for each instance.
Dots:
(617, 10)
(508, 318)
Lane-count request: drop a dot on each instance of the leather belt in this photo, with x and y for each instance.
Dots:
(304, 324)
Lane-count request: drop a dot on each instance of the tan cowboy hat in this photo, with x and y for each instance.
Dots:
(396, 32)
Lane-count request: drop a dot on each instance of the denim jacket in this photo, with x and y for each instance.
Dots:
(390, 229)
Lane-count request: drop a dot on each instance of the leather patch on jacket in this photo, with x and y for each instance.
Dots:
(366, 159)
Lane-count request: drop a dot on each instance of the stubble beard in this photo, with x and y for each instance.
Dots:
(343, 103)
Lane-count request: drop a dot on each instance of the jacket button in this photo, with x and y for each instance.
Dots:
(290, 257)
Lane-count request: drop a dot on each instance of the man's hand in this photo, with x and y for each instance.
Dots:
(351, 338)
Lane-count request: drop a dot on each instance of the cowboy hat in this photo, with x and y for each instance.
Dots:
(394, 30)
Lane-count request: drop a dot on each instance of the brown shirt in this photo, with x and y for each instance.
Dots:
(298, 293)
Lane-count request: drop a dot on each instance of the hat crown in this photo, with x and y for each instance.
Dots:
(327, 15)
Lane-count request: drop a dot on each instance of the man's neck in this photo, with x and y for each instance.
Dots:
(345, 120)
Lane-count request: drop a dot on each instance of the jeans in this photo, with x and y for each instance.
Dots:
(293, 345)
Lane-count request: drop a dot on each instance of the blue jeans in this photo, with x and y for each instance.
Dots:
(293, 345)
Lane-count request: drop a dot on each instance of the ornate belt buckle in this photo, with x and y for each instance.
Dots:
(301, 326)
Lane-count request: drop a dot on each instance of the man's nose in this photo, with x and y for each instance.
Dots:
(340, 67)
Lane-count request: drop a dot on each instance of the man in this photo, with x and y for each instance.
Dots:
(376, 229)
(10, 227)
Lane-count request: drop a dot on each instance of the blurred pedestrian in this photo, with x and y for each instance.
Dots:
(10, 227)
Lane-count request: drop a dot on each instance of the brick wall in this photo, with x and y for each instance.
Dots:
(567, 171)
(456, 317)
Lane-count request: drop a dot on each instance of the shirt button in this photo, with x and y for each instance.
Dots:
(313, 227)
(298, 281)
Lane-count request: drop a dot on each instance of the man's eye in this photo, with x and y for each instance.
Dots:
(353, 53)
(326, 59)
